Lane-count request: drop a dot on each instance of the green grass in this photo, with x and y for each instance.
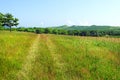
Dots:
(58, 57)
(13, 50)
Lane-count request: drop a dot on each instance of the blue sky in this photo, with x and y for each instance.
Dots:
(60, 12)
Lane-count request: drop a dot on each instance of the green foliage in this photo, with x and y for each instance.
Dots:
(1, 19)
(48, 30)
(94, 32)
(8, 20)
(92, 27)
(40, 30)
(55, 31)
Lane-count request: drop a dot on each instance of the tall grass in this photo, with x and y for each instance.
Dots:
(89, 57)
(60, 57)
(77, 58)
(14, 47)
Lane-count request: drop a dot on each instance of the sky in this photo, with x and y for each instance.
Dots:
(45, 13)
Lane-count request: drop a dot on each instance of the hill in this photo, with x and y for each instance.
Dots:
(93, 27)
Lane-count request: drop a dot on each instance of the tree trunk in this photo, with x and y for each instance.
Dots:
(10, 29)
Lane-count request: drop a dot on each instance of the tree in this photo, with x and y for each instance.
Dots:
(48, 30)
(70, 32)
(1, 19)
(93, 33)
(76, 32)
(40, 30)
(55, 31)
(83, 33)
(9, 21)
(64, 32)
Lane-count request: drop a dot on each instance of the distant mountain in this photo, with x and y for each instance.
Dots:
(93, 27)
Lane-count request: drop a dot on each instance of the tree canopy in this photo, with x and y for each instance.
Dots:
(8, 20)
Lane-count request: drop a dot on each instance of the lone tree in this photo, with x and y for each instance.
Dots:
(8, 20)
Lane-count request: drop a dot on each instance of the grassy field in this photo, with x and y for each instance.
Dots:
(28, 56)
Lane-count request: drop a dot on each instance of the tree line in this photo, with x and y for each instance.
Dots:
(78, 32)
(67, 32)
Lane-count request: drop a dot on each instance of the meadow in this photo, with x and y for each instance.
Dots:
(29, 56)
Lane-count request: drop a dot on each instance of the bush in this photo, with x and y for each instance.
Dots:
(37, 31)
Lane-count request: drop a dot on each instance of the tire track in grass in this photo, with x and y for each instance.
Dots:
(59, 65)
(24, 73)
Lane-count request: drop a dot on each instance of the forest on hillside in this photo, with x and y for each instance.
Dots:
(78, 30)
